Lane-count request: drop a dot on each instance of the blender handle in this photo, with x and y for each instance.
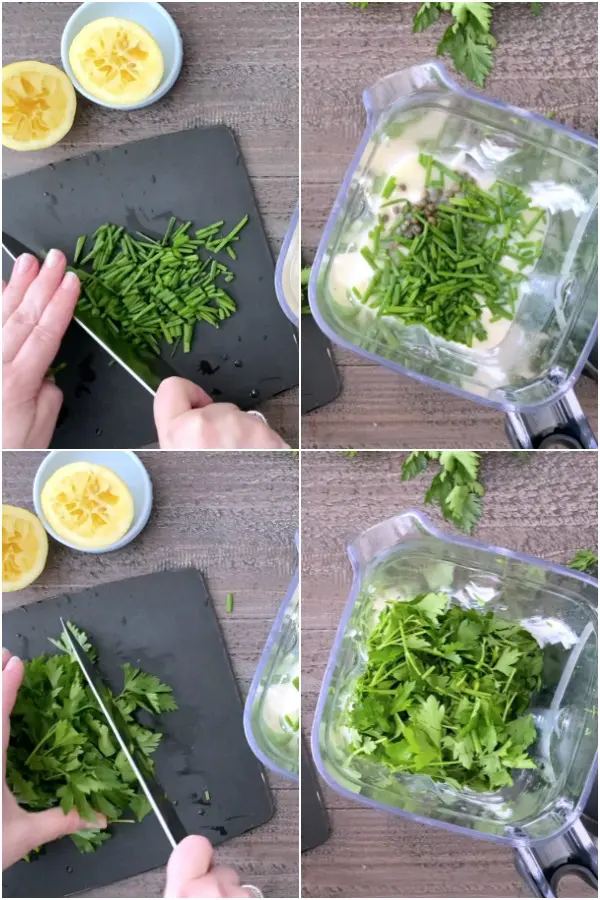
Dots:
(560, 425)
(542, 867)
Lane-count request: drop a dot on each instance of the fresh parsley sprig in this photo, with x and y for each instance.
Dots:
(61, 748)
(468, 40)
(585, 561)
(455, 488)
(445, 694)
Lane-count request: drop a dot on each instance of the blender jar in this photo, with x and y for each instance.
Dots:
(407, 555)
(538, 358)
(272, 709)
(287, 272)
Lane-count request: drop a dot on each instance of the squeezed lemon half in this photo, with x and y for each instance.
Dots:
(24, 548)
(116, 61)
(88, 505)
(38, 105)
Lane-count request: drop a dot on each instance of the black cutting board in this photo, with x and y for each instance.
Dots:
(315, 822)
(165, 624)
(321, 380)
(196, 175)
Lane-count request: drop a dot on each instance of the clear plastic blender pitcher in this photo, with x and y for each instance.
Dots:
(535, 365)
(272, 708)
(539, 815)
(287, 272)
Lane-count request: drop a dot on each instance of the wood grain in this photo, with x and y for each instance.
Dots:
(544, 504)
(240, 69)
(546, 64)
(232, 516)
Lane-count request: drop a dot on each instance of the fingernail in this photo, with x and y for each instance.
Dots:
(24, 263)
(70, 281)
(13, 662)
(53, 259)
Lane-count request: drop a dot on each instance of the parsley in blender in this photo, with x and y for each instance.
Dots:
(445, 693)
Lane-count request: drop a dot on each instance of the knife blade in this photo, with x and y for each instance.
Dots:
(161, 807)
(148, 372)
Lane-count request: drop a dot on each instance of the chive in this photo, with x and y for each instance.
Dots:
(388, 188)
(79, 248)
(229, 603)
(541, 213)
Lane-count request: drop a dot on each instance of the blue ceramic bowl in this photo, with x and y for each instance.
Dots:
(127, 466)
(151, 16)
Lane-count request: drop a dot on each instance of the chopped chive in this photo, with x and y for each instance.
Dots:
(445, 271)
(229, 603)
(388, 188)
(79, 248)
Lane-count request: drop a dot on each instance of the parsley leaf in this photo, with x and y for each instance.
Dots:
(468, 39)
(427, 15)
(445, 693)
(585, 561)
(61, 747)
(455, 488)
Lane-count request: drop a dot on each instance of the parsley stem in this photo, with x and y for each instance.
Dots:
(50, 731)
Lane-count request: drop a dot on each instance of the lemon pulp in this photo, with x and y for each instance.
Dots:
(116, 61)
(88, 505)
(38, 105)
(24, 548)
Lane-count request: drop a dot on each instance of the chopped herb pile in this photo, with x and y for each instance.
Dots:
(455, 487)
(445, 692)
(585, 561)
(304, 279)
(148, 291)
(61, 747)
(439, 262)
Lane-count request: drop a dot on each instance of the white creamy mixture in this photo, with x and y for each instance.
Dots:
(281, 701)
(400, 158)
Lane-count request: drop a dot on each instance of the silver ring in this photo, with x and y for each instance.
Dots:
(259, 415)
(256, 892)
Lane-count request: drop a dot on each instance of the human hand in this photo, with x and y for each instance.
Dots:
(37, 306)
(23, 831)
(187, 419)
(190, 872)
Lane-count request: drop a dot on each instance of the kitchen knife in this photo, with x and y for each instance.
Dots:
(149, 372)
(163, 810)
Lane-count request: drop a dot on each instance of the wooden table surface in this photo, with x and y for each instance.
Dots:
(240, 69)
(232, 516)
(546, 64)
(543, 504)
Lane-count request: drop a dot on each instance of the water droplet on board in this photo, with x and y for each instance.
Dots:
(254, 393)
(98, 432)
(153, 179)
(86, 372)
(238, 363)
(205, 368)
(69, 869)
